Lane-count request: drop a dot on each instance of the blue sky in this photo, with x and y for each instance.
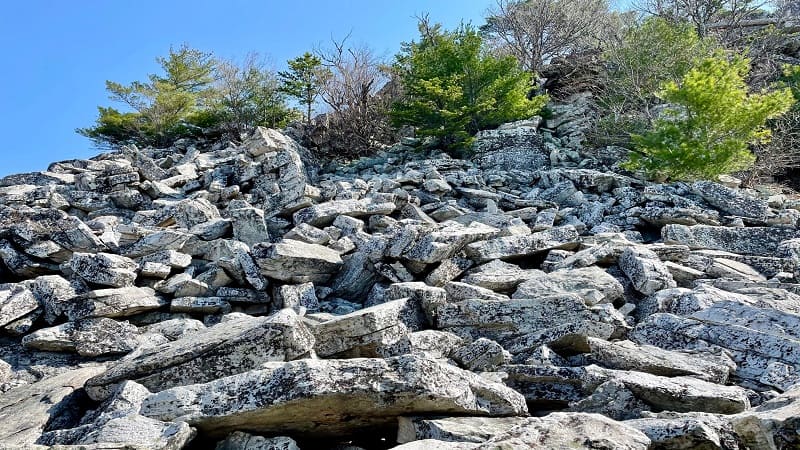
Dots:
(57, 54)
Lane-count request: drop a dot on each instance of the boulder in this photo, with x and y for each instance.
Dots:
(296, 261)
(565, 237)
(592, 284)
(313, 397)
(104, 269)
(225, 349)
(760, 241)
(646, 272)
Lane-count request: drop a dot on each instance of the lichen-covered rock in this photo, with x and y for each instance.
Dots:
(243, 441)
(104, 269)
(731, 201)
(16, 301)
(313, 397)
(228, 348)
(760, 241)
(25, 411)
(296, 261)
(593, 284)
(87, 337)
(565, 237)
(324, 214)
(645, 270)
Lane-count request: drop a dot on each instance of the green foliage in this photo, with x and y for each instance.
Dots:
(710, 123)
(651, 54)
(304, 80)
(453, 89)
(159, 107)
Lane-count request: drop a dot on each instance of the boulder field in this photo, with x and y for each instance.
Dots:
(244, 297)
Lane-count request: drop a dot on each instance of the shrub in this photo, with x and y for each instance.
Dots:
(710, 123)
(452, 88)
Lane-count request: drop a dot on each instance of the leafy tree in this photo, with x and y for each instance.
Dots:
(710, 123)
(161, 109)
(303, 80)
(453, 88)
(650, 54)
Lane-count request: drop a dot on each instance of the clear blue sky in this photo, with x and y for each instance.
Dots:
(57, 54)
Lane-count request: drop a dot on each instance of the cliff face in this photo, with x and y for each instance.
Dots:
(244, 298)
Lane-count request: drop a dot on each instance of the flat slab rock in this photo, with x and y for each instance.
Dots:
(26, 410)
(554, 431)
(332, 397)
(296, 261)
(228, 348)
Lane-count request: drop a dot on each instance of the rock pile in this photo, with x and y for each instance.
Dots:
(233, 297)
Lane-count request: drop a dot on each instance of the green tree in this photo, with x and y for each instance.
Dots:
(711, 121)
(161, 109)
(650, 54)
(303, 80)
(453, 88)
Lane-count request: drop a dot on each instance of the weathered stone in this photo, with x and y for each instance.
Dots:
(498, 276)
(118, 302)
(243, 441)
(481, 355)
(104, 268)
(462, 291)
(89, 337)
(647, 273)
(760, 241)
(688, 430)
(314, 396)
(249, 225)
(229, 348)
(296, 261)
(446, 242)
(731, 201)
(592, 284)
(15, 302)
(523, 245)
(772, 425)
(323, 214)
(25, 411)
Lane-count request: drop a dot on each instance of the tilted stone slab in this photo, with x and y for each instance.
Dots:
(332, 397)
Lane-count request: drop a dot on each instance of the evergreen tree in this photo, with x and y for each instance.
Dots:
(303, 80)
(453, 88)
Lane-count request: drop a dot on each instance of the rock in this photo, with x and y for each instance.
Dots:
(104, 269)
(592, 284)
(760, 241)
(296, 261)
(243, 441)
(88, 337)
(612, 399)
(731, 201)
(55, 294)
(512, 148)
(497, 276)
(323, 214)
(298, 297)
(523, 245)
(481, 355)
(647, 273)
(772, 425)
(553, 431)
(118, 302)
(25, 411)
(364, 333)
(228, 348)
(626, 355)
(444, 243)
(16, 301)
(248, 225)
(462, 291)
(688, 430)
(313, 396)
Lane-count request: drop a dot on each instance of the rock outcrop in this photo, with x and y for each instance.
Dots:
(240, 297)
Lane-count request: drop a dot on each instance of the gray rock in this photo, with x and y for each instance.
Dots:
(104, 269)
(117, 302)
(514, 148)
(229, 348)
(25, 411)
(249, 225)
(760, 241)
(481, 355)
(88, 337)
(16, 301)
(772, 425)
(498, 276)
(296, 261)
(314, 396)
(688, 430)
(647, 273)
(523, 245)
(323, 214)
(592, 284)
(243, 441)
(731, 201)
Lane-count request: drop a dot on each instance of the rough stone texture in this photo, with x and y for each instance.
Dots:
(228, 348)
(26, 411)
(593, 284)
(243, 441)
(88, 337)
(760, 241)
(523, 245)
(731, 201)
(647, 273)
(296, 261)
(104, 269)
(315, 395)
